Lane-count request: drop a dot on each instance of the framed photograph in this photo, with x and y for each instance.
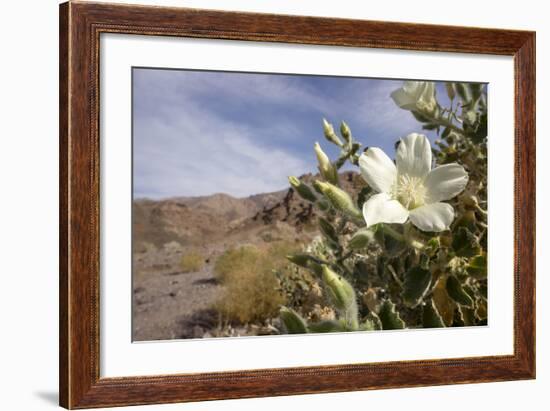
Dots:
(260, 205)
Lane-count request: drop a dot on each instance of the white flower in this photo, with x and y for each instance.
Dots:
(412, 190)
(416, 96)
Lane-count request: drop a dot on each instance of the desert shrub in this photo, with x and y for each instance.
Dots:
(232, 261)
(252, 290)
(409, 250)
(191, 262)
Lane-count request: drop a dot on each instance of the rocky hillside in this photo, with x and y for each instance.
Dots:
(199, 221)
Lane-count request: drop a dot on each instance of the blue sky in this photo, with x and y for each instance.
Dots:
(202, 132)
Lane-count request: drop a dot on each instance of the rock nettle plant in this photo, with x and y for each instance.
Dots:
(410, 249)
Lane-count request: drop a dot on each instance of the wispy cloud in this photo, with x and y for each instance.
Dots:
(198, 153)
(198, 133)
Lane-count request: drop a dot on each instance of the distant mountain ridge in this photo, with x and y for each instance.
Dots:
(209, 219)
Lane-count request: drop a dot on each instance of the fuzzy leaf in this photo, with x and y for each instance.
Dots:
(389, 317)
(328, 231)
(457, 292)
(416, 284)
(392, 246)
(465, 244)
(328, 326)
(361, 239)
(306, 261)
(292, 321)
(371, 323)
(431, 317)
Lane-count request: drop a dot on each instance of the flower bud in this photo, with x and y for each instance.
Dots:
(339, 199)
(326, 168)
(303, 190)
(417, 96)
(451, 91)
(330, 135)
(345, 131)
(342, 294)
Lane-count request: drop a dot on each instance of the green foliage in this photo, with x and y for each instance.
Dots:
(390, 317)
(292, 321)
(430, 316)
(416, 284)
(191, 262)
(394, 276)
(477, 267)
(457, 292)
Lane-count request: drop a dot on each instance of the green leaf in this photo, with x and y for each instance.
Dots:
(328, 326)
(328, 230)
(389, 317)
(391, 246)
(293, 322)
(457, 292)
(477, 267)
(306, 261)
(430, 316)
(361, 272)
(416, 284)
(465, 244)
(361, 239)
(371, 323)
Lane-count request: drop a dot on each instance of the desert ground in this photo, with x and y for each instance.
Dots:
(170, 302)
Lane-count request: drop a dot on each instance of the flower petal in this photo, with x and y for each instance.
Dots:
(380, 208)
(404, 98)
(414, 156)
(378, 170)
(445, 182)
(433, 217)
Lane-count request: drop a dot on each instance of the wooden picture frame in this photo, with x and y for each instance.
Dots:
(80, 27)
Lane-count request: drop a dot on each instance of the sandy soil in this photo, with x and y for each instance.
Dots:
(169, 305)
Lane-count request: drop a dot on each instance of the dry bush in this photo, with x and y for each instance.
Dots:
(252, 289)
(233, 260)
(191, 262)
